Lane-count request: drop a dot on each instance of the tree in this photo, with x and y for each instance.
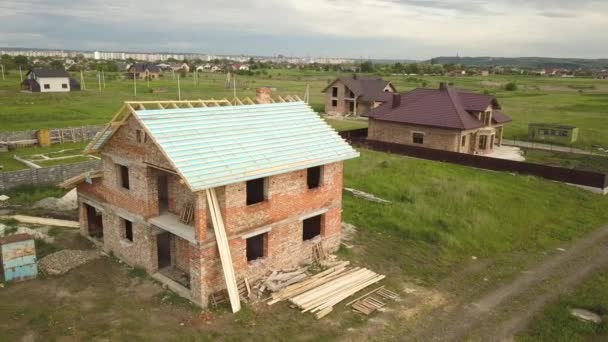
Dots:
(56, 64)
(21, 61)
(367, 66)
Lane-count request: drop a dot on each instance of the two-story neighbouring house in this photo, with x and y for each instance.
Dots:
(276, 169)
(444, 119)
(356, 95)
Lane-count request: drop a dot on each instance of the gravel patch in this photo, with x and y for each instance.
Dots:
(65, 260)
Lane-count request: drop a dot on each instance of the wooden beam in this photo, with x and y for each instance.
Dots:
(224, 250)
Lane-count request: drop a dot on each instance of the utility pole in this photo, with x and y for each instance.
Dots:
(179, 89)
(99, 81)
(2, 65)
(20, 74)
(103, 78)
(82, 85)
(234, 86)
(134, 85)
(307, 94)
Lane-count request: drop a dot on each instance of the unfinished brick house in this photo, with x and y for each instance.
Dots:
(200, 193)
(356, 95)
(445, 119)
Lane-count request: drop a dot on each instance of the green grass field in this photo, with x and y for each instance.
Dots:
(10, 164)
(556, 323)
(574, 101)
(442, 214)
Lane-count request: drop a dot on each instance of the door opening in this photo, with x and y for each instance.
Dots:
(163, 194)
(163, 246)
(95, 222)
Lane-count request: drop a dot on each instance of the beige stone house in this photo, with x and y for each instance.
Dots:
(143, 71)
(356, 95)
(175, 174)
(445, 119)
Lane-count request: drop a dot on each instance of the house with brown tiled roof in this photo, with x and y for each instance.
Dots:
(356, 95)
(445, 119)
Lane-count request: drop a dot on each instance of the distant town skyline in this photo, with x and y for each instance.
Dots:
(376, 29)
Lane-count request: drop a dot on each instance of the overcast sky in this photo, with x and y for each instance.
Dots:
(397, 29)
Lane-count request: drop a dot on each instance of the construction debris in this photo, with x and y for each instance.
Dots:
(44, 221)
(221, 297)
(279, 280)
(586, 315)
(371, 301)
(65, 260)
(366, 196)
(318, 253)
(65, 203)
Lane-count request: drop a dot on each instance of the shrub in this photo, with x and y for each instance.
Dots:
(511, 86)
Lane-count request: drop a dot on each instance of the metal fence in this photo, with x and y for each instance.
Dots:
(560, 174)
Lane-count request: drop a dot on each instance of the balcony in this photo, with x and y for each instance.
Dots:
(172, 224)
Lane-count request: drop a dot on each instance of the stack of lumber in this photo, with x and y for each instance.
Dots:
(319, 293)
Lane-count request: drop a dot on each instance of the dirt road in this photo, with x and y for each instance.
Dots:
(501, 313)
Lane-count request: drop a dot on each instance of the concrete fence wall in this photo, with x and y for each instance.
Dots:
(83, 133)
(46, 175)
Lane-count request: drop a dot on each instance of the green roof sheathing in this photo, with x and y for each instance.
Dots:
(215, 146)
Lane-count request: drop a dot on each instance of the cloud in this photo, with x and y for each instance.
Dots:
(350, 28)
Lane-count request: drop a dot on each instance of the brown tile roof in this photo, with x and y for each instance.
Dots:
(445, 107)
(499, 117)
(368, 88)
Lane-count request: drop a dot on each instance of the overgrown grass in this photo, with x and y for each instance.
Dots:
(556, 323)
(442, 214)
(28, 195)
(595, 163)
(346, 125)
(44, 248)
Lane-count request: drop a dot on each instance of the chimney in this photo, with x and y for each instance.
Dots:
(443, 86)
(263, 95)
(396, 100)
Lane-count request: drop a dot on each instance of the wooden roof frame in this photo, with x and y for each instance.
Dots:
(129, 107)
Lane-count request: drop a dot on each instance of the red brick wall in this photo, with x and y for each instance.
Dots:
(288, 199)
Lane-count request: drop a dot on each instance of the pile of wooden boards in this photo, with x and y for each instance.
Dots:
(372, 301)
(319, 293)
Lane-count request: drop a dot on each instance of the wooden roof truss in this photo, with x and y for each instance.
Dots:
(129, 107)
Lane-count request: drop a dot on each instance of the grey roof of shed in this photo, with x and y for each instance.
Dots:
(49, 72)
(445, 108)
